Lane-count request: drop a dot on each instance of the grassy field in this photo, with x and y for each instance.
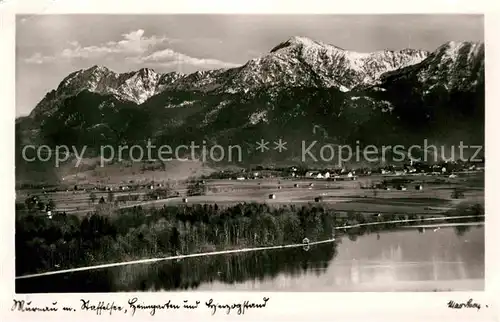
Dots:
(435, 197)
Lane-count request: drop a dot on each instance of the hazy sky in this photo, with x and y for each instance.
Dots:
(49, 47)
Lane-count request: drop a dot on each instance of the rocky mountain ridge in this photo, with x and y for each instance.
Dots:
(297, 62)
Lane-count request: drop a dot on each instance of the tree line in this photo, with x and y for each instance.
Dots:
(66, 241)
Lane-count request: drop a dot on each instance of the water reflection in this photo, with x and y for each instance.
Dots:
(405, 258)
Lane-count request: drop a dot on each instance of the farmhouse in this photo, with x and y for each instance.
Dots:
(411, 169)
(317, 175)
(318, 199)
(272, 196)
(419, 187)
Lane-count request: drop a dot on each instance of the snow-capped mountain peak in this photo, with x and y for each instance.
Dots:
(299, 42)
(135, 86)
(454, 65)
(301, 61)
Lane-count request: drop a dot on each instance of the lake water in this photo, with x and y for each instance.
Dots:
(447, 259)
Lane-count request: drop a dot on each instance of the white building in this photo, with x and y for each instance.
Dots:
(310, 174)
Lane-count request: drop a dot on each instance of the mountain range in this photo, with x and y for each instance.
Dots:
(384, 97)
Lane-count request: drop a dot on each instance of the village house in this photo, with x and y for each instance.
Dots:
(315, 175)
(411, 169)
(310, 174)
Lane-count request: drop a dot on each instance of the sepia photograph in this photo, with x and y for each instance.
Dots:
(249, 153)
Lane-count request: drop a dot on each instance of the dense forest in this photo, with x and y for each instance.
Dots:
(66, 241)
